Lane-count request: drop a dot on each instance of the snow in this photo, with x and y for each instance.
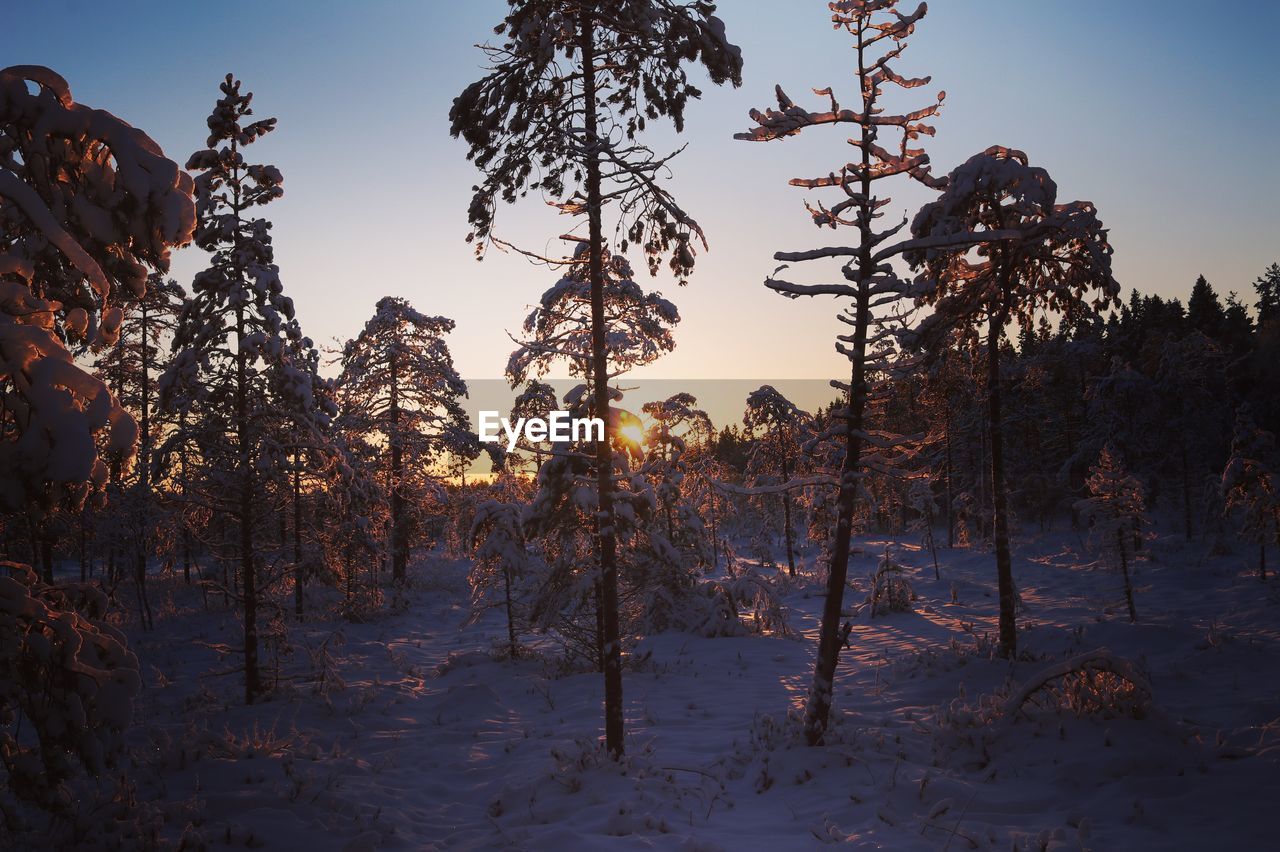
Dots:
(410, 731)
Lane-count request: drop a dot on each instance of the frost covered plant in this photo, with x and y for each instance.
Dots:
(500, 560)
(1032, 254)
(890, 591)
(1251, 484)
(68, 680)
(242, 374)
(1116, 508)
(560, 112)
(87, 205)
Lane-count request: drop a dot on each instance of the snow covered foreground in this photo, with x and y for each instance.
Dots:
(417, 737)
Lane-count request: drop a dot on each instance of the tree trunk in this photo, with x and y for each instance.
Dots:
(84, 546)
(613, 725)
(298, 577)
(511, 617)
(715, 538)
(1124, 569)
(46, 556)
(818, 708)
(249, 592)
(399, 534)
(1186, 489)
(984, 516)
(786, 521)
(951, 526)
(144, 478)
(933, 550)
(1004, 563)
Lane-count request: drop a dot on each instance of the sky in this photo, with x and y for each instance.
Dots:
(1161, 112)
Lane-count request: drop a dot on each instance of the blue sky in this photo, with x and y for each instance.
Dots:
(1162, 113)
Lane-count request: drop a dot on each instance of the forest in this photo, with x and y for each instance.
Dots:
(1009, 584)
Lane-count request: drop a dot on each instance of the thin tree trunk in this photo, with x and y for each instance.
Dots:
(951, 526)
(818, 708)
(1124, 569)
(1186, 489)
(84, 546)
(1004, 563)
(144, 477)
(46, 556)
(249, 593)
(786, 521)
(511, 617)
(715, 538)
(613, 723)
(984, 516)
(298, 576)
(929, 532)
(399, 534)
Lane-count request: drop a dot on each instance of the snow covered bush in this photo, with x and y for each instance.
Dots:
(67, 685)
(1096, 683)
(500, 560)
(890, 591)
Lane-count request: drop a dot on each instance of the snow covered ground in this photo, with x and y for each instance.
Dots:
(407, 733)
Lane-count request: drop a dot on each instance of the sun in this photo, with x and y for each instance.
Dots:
(632, 433)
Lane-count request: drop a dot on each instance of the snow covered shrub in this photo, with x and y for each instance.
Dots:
(744, 601)
(500, 560)
(1092, 684)
(890, 591)
(67, 684)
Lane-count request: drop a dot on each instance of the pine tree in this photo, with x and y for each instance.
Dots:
(232, 378)
(564, 513)
(1117, 509)
(1251, 484)
(131, 367)
(1267, 286)
(398, 384)
(568, 93)
(1037, 255)
(782, 423)
(879, 31)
